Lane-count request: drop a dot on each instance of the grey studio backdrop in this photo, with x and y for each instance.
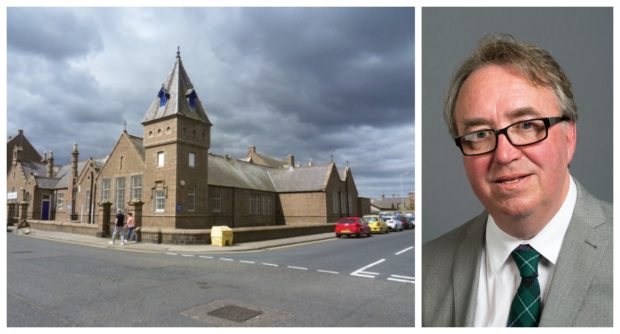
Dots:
(580, 39)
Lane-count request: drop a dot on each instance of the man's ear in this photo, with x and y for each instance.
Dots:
(571, 139)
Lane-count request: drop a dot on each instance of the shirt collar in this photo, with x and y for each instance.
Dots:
(547, 242)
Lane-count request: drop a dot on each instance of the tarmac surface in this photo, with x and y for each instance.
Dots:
(93, 241)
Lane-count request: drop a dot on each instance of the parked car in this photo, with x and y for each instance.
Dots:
(376, 224)
(406, 224)
(411, 220)
(352, 226)
(394, 224)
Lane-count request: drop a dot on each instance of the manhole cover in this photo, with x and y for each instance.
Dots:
(235, 313)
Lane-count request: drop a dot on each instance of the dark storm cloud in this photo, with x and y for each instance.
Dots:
(57, 39)
(319, 83)
(333, 62)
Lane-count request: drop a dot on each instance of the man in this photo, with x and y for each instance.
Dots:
(119, 224)
(541, 253)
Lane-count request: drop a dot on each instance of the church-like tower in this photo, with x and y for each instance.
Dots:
(177, 137)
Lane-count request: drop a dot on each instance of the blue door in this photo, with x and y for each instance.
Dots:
(45, 210)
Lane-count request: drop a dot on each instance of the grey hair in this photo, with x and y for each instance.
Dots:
(534, 63)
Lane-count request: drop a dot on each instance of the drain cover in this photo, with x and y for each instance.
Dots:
(235, 313)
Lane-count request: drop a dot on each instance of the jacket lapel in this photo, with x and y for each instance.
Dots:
(466, 272)
(580, 255)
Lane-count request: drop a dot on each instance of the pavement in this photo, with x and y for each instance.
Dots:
(93, 241)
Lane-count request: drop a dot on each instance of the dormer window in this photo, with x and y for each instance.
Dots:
(191, 97)
(163, 96)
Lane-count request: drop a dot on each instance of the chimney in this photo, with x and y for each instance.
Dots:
(74, 161)
(382, 196)
(50, 165)
(17, 154)
(251, 149)
(291, 160)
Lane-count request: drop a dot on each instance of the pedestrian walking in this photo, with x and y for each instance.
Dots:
(119, 224)
(131, 226)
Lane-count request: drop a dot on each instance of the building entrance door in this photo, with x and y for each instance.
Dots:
(45, 208)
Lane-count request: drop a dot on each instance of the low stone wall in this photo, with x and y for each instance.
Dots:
(175, 236)
(191, 236)
(66, 227)
(240, 234)
(249, 234)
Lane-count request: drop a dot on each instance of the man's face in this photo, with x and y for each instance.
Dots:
(514, 182)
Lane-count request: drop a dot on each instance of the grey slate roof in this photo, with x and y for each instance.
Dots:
(298, 179)
(34, 168)
(61, 179)
(228, 172)
(178, 87)
(264, 160)
(46, 182)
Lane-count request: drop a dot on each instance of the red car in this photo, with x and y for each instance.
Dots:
(352, 226)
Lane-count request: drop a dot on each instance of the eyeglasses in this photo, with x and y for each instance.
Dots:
(522, 133)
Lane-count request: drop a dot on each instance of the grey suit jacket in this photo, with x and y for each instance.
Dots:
(581, 290)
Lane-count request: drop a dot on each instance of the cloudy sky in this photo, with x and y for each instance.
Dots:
(313, 82)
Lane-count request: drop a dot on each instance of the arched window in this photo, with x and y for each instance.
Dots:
(191, 97)
(163, 96)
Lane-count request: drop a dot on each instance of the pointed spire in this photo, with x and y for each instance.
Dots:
(177, 96)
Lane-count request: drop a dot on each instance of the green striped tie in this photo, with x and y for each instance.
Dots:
(526, 308)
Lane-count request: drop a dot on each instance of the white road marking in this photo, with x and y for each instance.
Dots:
(245, 261)
(226, 259)
(361, 272)
(187, 255)
(298, 268)
(270, 264)
(328, 272)
(404, 250)
(405, 277)
(362, 275)
(172, 254)
(369, 272)
(206, 257)
(400, 280)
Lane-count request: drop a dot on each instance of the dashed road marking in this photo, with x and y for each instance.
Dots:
(328, 272)
(298, 268)
(404, 250)
(362, 272)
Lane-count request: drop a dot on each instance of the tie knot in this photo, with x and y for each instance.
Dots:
(526, 259)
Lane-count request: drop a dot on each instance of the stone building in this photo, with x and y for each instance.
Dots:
(48, 191)
(172, 181)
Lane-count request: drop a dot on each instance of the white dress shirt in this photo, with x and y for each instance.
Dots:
(499, 276)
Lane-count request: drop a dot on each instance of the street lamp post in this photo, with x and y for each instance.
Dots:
(402, 198)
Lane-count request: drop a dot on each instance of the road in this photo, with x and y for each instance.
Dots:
(338, 282)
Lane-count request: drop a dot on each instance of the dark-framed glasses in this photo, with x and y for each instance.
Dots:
(521, 133)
